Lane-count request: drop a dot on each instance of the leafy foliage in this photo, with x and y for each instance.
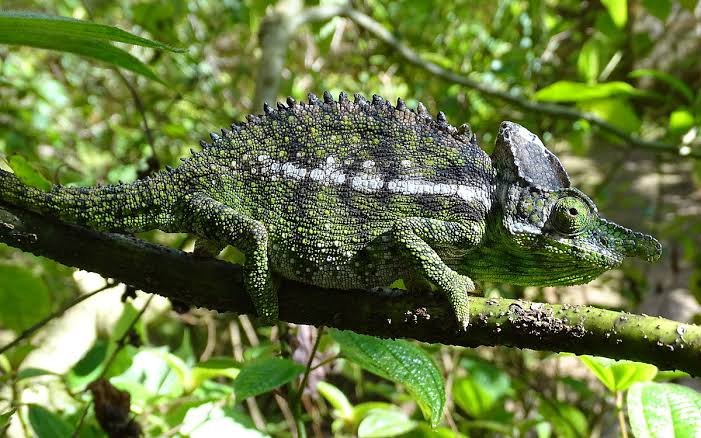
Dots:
(65, 121)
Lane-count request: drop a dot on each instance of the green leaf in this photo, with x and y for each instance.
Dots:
(5, 419)
(262, 375)
(589, 60)
(337, 399)
(664, 410)
(566, 420)
(568, 91)
(88, 367)
(384, 423)
(617, 112)
(619, 375)
(478, 393)
(24, 298)
(28, 174)
(658, 8)
(618, 10)
(75, 36)
(671, 80)
(401, 362)
(46, 424)
(212, 368)
(28, 373)
(680, 121)
(65, 27)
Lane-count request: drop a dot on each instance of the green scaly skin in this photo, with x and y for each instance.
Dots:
(357, 194)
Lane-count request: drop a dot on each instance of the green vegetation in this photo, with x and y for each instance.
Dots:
(99, 92)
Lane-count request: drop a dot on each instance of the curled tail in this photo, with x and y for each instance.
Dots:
(140, 206)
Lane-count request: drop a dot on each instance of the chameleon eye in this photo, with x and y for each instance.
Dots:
(570, 216)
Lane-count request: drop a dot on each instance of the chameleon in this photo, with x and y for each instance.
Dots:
(356, 193)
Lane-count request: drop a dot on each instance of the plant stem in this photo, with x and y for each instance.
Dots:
(621, 415)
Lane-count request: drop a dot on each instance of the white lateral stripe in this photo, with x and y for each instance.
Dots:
(330, 174)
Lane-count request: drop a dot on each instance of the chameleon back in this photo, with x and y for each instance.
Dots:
(328, 179)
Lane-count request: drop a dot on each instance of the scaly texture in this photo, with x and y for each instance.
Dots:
(357, 194)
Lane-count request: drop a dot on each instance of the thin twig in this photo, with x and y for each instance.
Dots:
(308, 369)
(29, 331)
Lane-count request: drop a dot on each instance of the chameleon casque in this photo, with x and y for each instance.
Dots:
(356, 194)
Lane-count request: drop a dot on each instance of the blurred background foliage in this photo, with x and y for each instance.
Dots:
(70, 119)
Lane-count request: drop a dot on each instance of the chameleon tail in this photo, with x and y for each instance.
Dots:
(140, 206)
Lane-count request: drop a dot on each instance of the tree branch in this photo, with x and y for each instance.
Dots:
(217, 285)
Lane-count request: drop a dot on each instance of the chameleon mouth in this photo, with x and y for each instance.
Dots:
(630, 243)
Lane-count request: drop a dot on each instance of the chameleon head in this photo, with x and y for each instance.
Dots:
(554, 226)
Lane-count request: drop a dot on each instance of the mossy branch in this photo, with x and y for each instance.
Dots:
(218, 285)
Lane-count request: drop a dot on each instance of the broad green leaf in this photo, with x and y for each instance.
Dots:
(24, 298)
(619, 375)
(567, 421)
(262, 375)
(28, 174)
(337, 399)
(478, 393)
(618, 10)
(401, 362)
(568, 91)
(617, 112)
(671, 80)
(28, 373)
(65, 27)
(658, 8)
(680, 120)
(384, 423)
(46, 424)
(215, 367)
(75, 36)
(589, 60)
(664, 410)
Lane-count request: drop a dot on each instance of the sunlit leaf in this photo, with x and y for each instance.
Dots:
(680, 120)
(24, 298)
(46, 424)
(26, 173)
(384, 423)
(618, 112)
(664, 410)
(212, 368)
(619, 375)
(618, 10)
(401, 362)
(337, 399)
(75, 36)
(262, 375)
(568, 91)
